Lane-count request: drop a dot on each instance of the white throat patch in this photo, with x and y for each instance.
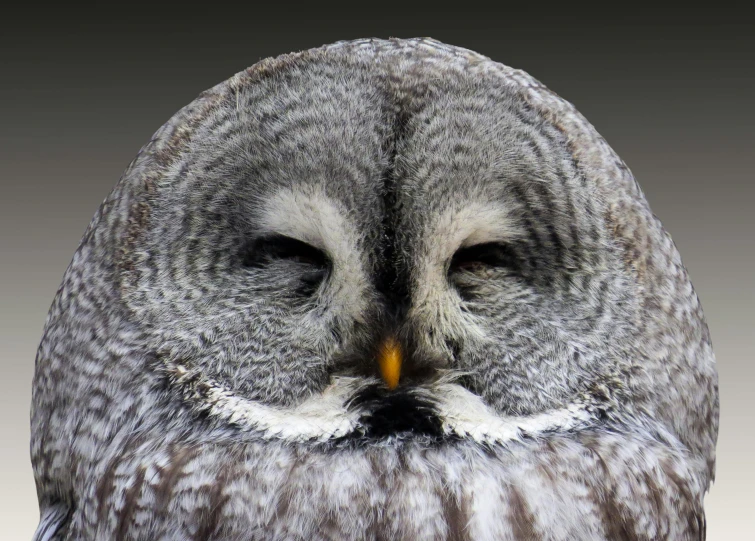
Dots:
(327, 416)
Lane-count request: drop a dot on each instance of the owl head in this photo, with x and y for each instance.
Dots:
(378, 241)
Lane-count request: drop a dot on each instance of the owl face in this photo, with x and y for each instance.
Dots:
(333, 206)
(380, 290)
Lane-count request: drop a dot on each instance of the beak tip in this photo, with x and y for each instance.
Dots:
(389, 360)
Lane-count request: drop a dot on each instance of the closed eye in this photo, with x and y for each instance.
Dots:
(266, 250)
(484, 256)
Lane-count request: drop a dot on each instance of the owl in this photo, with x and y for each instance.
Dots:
(381, 289)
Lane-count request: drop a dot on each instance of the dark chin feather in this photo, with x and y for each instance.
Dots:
(395, 414)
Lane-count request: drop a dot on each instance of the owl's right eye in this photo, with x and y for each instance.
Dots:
(472, 266)
(264, 251)
(481, 256)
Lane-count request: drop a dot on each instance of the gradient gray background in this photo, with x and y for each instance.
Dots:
(81, 92)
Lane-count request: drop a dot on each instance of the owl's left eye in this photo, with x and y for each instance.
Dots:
(266, 250)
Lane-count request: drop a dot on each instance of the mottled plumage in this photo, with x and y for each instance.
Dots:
(208, 368)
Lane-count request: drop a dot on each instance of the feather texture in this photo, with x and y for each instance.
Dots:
(557, 382)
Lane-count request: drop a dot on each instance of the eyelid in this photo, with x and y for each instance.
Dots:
(264, 249)
(491, 254)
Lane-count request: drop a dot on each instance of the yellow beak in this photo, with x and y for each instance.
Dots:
(389, 359)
